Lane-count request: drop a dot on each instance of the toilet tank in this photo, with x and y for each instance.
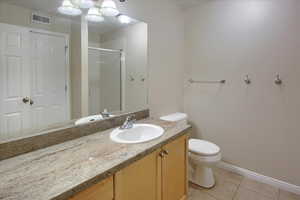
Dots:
(180, 118)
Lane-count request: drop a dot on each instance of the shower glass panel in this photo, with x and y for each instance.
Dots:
(105, 80)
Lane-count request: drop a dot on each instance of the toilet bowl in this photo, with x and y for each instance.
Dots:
(203, 155)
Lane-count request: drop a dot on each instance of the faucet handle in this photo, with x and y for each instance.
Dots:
(131, 118)
(128, 122)
(105, 113)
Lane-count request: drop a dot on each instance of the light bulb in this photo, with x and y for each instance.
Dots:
(94, 15)
(124, 19)
(109, 8)
(85, 4)
(67, 8)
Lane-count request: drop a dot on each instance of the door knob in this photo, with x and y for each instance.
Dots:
(25, 100)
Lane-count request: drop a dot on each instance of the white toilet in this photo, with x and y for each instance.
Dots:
(203, 155)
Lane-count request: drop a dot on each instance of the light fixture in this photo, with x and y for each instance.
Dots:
(67, 8)
(94, 15)
(124, 19)
(85, 4)
(109, 8)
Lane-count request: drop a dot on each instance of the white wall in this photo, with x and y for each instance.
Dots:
(165, 52)
(257, 125)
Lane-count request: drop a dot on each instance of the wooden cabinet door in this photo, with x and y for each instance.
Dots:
(174, 170)
(103, 190)
(140, 180)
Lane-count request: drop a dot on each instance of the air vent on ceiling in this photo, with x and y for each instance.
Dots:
(40, 19)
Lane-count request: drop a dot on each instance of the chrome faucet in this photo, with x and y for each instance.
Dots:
(129, 122)
(105, 114)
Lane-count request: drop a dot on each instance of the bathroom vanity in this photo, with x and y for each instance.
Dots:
(95, 167)
(159, 175)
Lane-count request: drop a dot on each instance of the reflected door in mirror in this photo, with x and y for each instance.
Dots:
(34, 76)
(49, 79)
(14, 66)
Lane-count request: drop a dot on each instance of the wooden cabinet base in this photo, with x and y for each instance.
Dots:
(174, 170)
(139, 180)
(161, 175)
(103, 190)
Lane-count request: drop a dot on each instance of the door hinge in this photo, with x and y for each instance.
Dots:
(66, 88)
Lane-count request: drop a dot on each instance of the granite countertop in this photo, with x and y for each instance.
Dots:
(59, 171)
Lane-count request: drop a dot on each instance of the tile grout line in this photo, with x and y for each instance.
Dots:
(261, 194)
(278, 194)
(238, 187)
(211, 196)
(197, 187)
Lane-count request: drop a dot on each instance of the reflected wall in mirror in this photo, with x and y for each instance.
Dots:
(117, 65)
(50, 64)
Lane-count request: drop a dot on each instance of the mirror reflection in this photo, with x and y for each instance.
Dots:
(68, 63)
(117, 65)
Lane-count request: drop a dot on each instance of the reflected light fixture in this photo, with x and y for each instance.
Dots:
(124, 19)
(67, 8)
(109, 8)
(94, 15)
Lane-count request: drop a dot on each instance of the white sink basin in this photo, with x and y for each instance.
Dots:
(88, 119)
(138, 134)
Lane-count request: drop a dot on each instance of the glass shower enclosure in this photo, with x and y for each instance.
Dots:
(105, 80)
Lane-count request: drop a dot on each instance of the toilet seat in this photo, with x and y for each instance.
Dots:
(203, 148)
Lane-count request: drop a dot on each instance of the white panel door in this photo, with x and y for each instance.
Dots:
(49, 79)
(32, 65)
(14, 81)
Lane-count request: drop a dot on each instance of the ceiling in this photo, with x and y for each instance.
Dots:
(50, 7)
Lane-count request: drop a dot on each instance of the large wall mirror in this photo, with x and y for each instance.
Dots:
(117, 65)
(68, 62)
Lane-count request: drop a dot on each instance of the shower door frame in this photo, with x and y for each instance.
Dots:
(123, 72)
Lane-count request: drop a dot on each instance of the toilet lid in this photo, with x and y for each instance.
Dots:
(203, 147)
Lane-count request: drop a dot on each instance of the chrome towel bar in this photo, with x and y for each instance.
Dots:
(220, 81)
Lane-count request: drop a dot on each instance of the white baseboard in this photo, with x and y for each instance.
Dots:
(260, 178)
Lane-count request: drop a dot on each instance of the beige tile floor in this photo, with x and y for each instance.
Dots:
(231, 186)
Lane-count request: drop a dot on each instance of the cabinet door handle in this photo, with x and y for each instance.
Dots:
(161, 154)
(165, 152)
(31, 102)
